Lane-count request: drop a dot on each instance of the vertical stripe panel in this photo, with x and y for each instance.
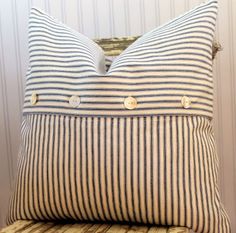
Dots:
(24, 151)
(68, 169)
(45, 169)
(51, 169)
(55, 167)
(73, 175)
(174, 171)
(158, 169)
(61, 168)
(93, 168)
(161, 168)
(155, 159)
(79, 159)
(36, 178)
(135, 166)
(194, 199)
(113, 165)
(142, 171)
(122, 169)
(109, 167)
(85, 172)
(128, 167)
(28, 194)
(96, 165)
(168, 168)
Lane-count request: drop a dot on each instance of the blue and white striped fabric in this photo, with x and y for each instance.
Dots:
(131, 144)
(157, 69)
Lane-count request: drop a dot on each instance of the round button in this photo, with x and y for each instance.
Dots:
(34, 98)
(74, 101)
(186, 102)
(130, 103)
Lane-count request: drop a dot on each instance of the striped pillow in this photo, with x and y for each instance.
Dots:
(131, 144)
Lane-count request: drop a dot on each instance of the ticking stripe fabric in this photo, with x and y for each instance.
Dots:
(157, 69)
(90, 153)
(157, 169)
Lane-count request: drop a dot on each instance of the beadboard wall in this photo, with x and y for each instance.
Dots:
(107, 18)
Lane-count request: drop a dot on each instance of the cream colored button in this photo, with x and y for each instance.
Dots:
(186, 101)
(34, 98)
(130, 103)
(74, 101)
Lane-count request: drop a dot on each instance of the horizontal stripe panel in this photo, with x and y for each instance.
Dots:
(172, 60)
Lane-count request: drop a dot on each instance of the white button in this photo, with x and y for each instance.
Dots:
(186, 102)
(74, 101)
(34, 98)
(130, 103)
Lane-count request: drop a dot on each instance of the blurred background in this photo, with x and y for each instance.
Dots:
(102, 19)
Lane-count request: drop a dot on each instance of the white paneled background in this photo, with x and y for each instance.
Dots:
(107, 18)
